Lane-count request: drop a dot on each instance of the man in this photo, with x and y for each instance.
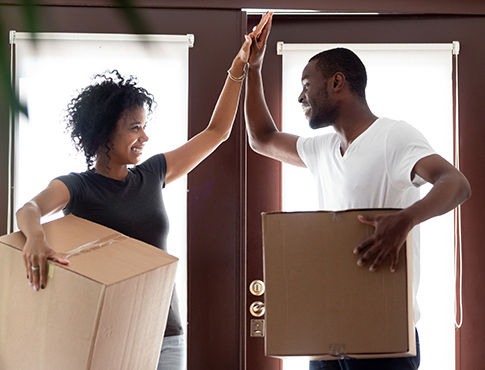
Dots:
(369, 162)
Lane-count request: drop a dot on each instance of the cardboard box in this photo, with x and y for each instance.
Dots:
(319, 303)
(106, 310)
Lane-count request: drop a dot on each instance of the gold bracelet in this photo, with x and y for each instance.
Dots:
(236, 79)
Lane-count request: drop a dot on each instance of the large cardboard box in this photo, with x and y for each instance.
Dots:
(319, 303)
(106, 310)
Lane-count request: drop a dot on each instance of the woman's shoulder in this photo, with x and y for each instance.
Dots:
(156, 164)
(72, 176)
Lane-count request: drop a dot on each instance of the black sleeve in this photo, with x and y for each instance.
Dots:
(157, 165)
(76, 189)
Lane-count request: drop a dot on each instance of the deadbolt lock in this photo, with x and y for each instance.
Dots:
(257, 328)
(257, 309)
(256, 288)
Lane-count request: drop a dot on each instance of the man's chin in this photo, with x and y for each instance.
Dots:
(314, 124)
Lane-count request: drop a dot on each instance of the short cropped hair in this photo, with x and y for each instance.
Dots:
(346, 62)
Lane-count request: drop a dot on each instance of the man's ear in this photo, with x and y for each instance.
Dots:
(338, 80)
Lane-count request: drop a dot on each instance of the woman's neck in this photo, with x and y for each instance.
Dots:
(109, 170)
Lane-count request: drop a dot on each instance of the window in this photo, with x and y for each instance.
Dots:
(50, 71)
(413, 83)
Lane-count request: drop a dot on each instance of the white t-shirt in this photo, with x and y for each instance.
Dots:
(374, 172)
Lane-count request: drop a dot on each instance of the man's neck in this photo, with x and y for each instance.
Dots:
(352, 123)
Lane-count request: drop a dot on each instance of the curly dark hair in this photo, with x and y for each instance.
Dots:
(344, 61)
(92, 116)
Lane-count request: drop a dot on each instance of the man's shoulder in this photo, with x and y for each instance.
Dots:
(389, 122)
(393, 126)
(321, 138)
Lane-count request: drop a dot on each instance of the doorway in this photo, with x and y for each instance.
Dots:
(340, 29)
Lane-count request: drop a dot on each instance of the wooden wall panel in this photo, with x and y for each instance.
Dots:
(380, 6)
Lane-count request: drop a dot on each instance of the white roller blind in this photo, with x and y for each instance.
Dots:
(410, 82)
(51, 70)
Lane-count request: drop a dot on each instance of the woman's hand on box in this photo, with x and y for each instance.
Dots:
(37, 252)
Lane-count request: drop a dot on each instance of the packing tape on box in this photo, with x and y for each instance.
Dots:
(338, 351)
(95, 244)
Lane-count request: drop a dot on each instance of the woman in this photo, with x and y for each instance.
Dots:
(107, 122)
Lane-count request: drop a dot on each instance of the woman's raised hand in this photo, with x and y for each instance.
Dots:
(242, 56)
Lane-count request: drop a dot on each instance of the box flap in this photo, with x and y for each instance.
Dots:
(65, 234)
(122, 259)
(117, 257)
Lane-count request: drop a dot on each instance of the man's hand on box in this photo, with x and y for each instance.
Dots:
(388, 238)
